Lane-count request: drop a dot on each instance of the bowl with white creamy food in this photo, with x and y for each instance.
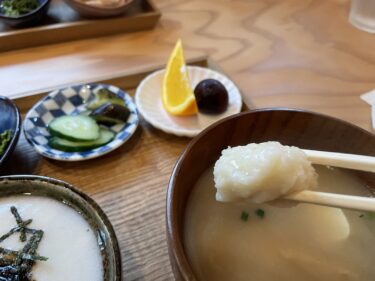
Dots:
(221, 225)
(52, 231)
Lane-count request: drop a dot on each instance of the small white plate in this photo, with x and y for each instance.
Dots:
(149, 103)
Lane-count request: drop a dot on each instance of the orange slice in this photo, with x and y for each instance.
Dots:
(177, 94)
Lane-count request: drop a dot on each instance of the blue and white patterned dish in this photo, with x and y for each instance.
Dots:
(71, 101)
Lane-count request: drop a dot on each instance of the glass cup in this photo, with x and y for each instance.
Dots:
(362, 15)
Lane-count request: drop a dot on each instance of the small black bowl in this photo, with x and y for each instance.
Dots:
(28, 19)
(10, 119)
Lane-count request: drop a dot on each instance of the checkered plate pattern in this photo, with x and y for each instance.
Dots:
(70, 101)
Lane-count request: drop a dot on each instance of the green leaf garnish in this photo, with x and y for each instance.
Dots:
(370, 215)
(260, 213)
(244, 216)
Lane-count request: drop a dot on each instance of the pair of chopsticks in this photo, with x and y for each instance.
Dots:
(341, 160)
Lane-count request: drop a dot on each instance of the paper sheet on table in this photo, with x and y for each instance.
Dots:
(369, 97)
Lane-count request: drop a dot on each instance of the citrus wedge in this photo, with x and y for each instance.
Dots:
(177, 94)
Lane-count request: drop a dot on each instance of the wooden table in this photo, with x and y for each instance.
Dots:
(292, 53)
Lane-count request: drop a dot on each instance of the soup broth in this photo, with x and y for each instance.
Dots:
(240, 241)
(68, 241)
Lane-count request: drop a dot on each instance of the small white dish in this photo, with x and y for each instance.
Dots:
(149, 103)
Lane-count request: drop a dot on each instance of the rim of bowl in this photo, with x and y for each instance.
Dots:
(98, 8)
(85, 197)
(17, 130)
(175, 244)
(41, 6)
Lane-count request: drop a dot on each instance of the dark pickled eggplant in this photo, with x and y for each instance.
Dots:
(110, 114)
(103, 96)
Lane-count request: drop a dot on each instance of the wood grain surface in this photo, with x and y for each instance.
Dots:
(129, 184)
(296, 53)
(64, 24)
(292, 53)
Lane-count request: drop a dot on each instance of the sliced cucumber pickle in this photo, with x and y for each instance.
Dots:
(105, 136)
(74, 128)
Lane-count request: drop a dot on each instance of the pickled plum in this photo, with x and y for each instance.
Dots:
(211, 96)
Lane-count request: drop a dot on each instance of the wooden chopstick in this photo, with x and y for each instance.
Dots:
(342, 160)
(334, 200)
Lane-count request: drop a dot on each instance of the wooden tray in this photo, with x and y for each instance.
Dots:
(129, 183)
(64, 24)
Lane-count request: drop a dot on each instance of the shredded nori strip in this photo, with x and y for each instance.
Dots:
(20, 223)
(6, 235)
(11, 254)
(17, 265)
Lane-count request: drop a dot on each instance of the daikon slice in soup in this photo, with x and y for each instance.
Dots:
(67, 247)
(241, 241)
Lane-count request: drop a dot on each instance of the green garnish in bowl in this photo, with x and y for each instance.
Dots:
(14, 8)
(4, 140)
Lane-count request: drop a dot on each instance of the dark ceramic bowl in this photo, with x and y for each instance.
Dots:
(28, 19)
(90, 11)
(290, 127)
(10, 119)
(83, 204)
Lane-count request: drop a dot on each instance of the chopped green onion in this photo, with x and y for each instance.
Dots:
(260, 213)
(244, 216)
(370, 216)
